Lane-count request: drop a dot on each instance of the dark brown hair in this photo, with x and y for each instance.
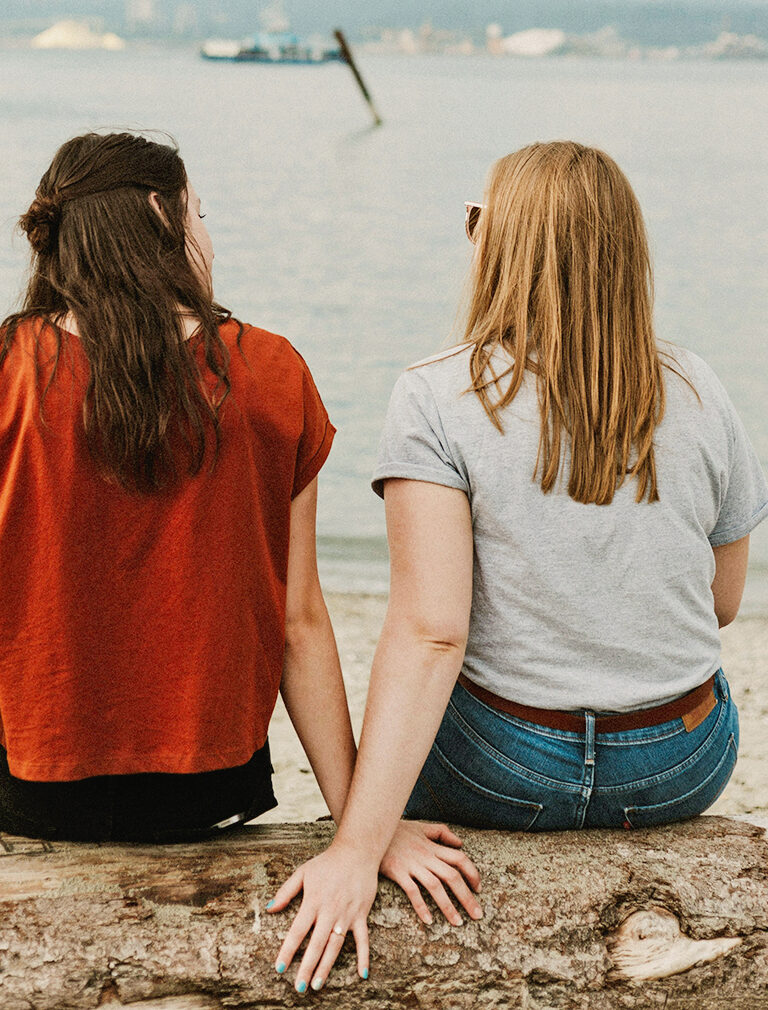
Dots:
(103, 253)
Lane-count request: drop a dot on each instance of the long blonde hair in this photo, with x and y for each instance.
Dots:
(561, 279)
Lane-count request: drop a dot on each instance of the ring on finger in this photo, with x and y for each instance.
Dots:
(338, 930)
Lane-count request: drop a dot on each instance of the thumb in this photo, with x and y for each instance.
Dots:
(287, 892)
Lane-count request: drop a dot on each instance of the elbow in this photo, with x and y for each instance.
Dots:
(725, 615)
(305, 625)
(444, 645)
(440, 639)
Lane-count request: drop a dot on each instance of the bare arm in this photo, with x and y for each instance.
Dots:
(418, 658)
(414, 671)
(312, 685)
(730, 576)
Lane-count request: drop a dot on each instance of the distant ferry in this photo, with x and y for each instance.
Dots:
(270, 47)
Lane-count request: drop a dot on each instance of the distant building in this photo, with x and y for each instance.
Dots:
(76, 35)
(140, 15)
(533, 42)
(185, 21)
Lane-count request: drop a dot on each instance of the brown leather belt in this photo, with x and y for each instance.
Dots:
(693, 708)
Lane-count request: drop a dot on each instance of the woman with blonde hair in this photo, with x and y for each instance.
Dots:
(568, 512)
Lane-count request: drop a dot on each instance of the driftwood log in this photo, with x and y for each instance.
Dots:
(673, 917)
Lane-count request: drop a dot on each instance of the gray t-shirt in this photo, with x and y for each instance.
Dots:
(583, 606)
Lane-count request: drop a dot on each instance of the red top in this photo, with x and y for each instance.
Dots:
(145, 633)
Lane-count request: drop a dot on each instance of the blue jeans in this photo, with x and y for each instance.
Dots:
(487, 769)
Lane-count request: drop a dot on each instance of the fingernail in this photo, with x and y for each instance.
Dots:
(270, 904)
(317, 983)
(365, 974)
(458, 922)
(279, 967)
(301, 986)
(478, 913)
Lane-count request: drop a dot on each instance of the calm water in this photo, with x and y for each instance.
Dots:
(350, 240)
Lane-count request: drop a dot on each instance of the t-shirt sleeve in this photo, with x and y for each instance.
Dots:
(316, 436)
(744, 501)
(414, 444)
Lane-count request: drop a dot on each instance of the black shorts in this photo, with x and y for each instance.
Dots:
(151, 807)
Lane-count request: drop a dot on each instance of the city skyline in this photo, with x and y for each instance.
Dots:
(653, 22)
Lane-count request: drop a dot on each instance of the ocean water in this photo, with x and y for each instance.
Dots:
(349, 239)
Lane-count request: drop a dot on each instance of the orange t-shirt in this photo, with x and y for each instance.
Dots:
(145, 633)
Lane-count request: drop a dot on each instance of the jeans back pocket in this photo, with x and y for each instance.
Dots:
(690, 803)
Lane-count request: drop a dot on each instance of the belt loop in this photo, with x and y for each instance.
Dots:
(589, 743)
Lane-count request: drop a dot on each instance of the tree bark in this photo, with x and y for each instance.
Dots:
(674, 917)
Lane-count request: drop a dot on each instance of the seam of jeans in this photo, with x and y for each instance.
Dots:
(730, 746)
(435, 798)
(490, 794)
(502, 759)
(529, 727)
(655, 738)
(677, 769)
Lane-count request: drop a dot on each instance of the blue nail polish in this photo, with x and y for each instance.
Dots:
(280, 968)
(270, 904)
(302, 987)
(365, 974)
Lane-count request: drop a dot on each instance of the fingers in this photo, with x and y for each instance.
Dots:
(464, 865)
(320, 956)
(439, 896)
(287, 892)
(442, 833)
(324, 949)
(455, 880)
(360, 933)
(300, 926)
(414, 895)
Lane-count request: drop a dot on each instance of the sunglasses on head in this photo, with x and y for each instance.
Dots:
(471, 217)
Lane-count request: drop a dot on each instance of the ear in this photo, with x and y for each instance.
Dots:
(157, 207)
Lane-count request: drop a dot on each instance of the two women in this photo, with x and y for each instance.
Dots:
(158, 465)
(568, 511)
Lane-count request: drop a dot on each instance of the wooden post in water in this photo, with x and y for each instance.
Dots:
(350, 60)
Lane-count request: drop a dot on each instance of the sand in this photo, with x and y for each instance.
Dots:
(357, 620)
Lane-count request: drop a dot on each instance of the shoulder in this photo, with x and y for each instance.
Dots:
(689, 374)
(446, 358)
(443, 374)
(255, 341)
(262, 351)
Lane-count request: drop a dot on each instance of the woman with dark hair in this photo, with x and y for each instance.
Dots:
(158, 465)
(568, 513)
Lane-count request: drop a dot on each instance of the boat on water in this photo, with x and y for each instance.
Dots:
(271, 47)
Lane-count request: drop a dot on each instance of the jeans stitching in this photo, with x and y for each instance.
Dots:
(512, 801)
(729, 748)
(502, 759)
(679, 728)
(677, 769)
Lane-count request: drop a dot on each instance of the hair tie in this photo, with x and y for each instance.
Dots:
(41, 222)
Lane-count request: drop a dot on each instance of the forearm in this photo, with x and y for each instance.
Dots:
(411, 681)
(313, 691)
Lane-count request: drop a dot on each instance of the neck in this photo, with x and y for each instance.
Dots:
(189, 322)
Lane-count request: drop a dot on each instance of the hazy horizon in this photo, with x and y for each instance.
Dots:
(649, 21)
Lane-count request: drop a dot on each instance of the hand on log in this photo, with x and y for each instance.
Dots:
(340, 885)
(673, 917)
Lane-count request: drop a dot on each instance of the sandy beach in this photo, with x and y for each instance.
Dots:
(357, 620)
